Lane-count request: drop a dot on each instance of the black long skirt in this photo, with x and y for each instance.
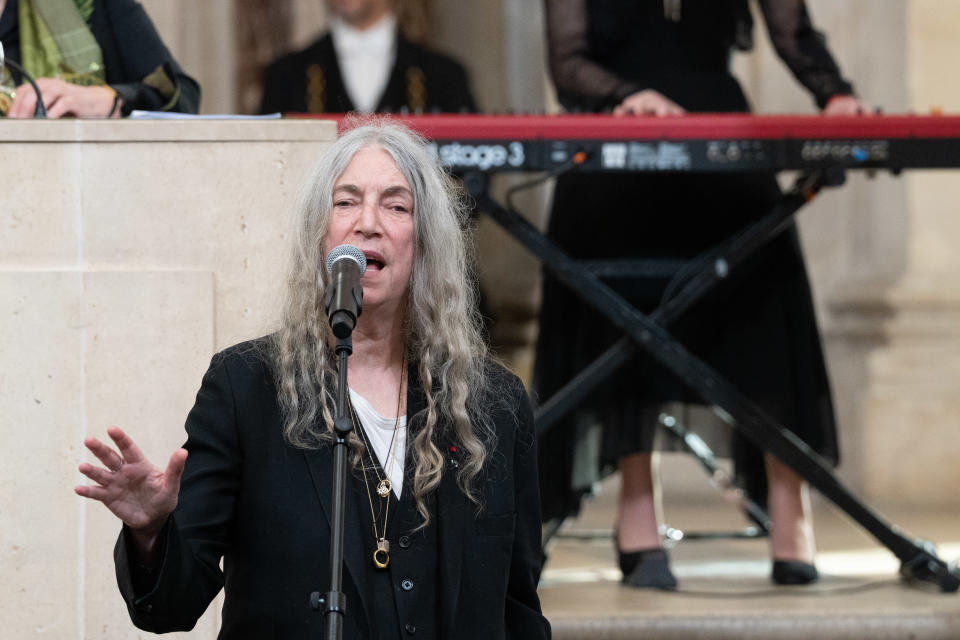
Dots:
(758, 329)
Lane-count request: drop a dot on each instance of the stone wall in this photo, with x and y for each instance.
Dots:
(881, 255)
(129, 253)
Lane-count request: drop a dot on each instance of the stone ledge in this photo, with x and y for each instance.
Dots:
(133, 131)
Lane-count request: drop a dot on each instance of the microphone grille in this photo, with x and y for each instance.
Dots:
(346, 251)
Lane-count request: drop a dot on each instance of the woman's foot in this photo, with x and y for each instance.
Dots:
(786, 572)
(647, 569)
(791, 538)
(648, 565)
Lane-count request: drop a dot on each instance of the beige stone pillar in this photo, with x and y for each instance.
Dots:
(129, 253)
(910, 407)
(881, 254)
(200, 35)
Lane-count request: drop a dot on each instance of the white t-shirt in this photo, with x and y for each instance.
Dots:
(366, 58)
(379, 431)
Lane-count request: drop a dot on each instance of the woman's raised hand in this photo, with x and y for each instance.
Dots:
(137, 492)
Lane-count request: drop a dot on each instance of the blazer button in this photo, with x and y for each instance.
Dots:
(404, 542)
(406, 584)
(410, 628)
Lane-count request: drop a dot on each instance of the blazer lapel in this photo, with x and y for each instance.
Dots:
(320, 464)
(337, 97)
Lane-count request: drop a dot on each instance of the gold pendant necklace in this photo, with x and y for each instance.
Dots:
(381, 556)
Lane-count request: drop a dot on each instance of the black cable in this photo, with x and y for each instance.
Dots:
(815, 591)
(552, 173)
(698, 263)
(39, 111)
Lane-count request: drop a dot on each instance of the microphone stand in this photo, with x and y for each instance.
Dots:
(335, 601)
(39, 111)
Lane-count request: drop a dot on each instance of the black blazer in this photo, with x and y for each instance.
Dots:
(309, 81)
(264, 507)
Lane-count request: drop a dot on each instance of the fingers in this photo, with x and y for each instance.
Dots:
(24, 103)
(57, 97)
(92, 492)
(63, 106)
(128, 449)
(666, 107)
(110, 458)
(60, 99)
(651, 109)
(648, 103)
(82, 102)
(674, 109)
(845, 105)
(98, 475)
(175, 470)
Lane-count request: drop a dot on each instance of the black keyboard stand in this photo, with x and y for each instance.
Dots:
(918, 558)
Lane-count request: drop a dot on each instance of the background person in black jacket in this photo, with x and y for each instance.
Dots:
(125, 65)
(363, 63)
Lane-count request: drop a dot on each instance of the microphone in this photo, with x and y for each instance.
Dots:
(39, 111)
(344, 298)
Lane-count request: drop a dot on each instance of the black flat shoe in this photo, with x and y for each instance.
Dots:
(790, 572)
(647, 569)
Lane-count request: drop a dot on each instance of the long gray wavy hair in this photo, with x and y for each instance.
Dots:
(443, 338)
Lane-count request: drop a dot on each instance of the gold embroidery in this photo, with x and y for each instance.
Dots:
(316, 87)
(416, 90)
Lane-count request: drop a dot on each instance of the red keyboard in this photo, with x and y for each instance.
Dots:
(700, 142)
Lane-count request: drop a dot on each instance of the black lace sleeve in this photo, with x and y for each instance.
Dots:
(804, 49)
(580, 82)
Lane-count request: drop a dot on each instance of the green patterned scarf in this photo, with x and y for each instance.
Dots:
(55, 41)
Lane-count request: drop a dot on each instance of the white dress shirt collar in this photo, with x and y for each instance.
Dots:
(365, 59)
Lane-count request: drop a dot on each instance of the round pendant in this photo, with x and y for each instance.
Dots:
(384, 487)
(381, 558)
